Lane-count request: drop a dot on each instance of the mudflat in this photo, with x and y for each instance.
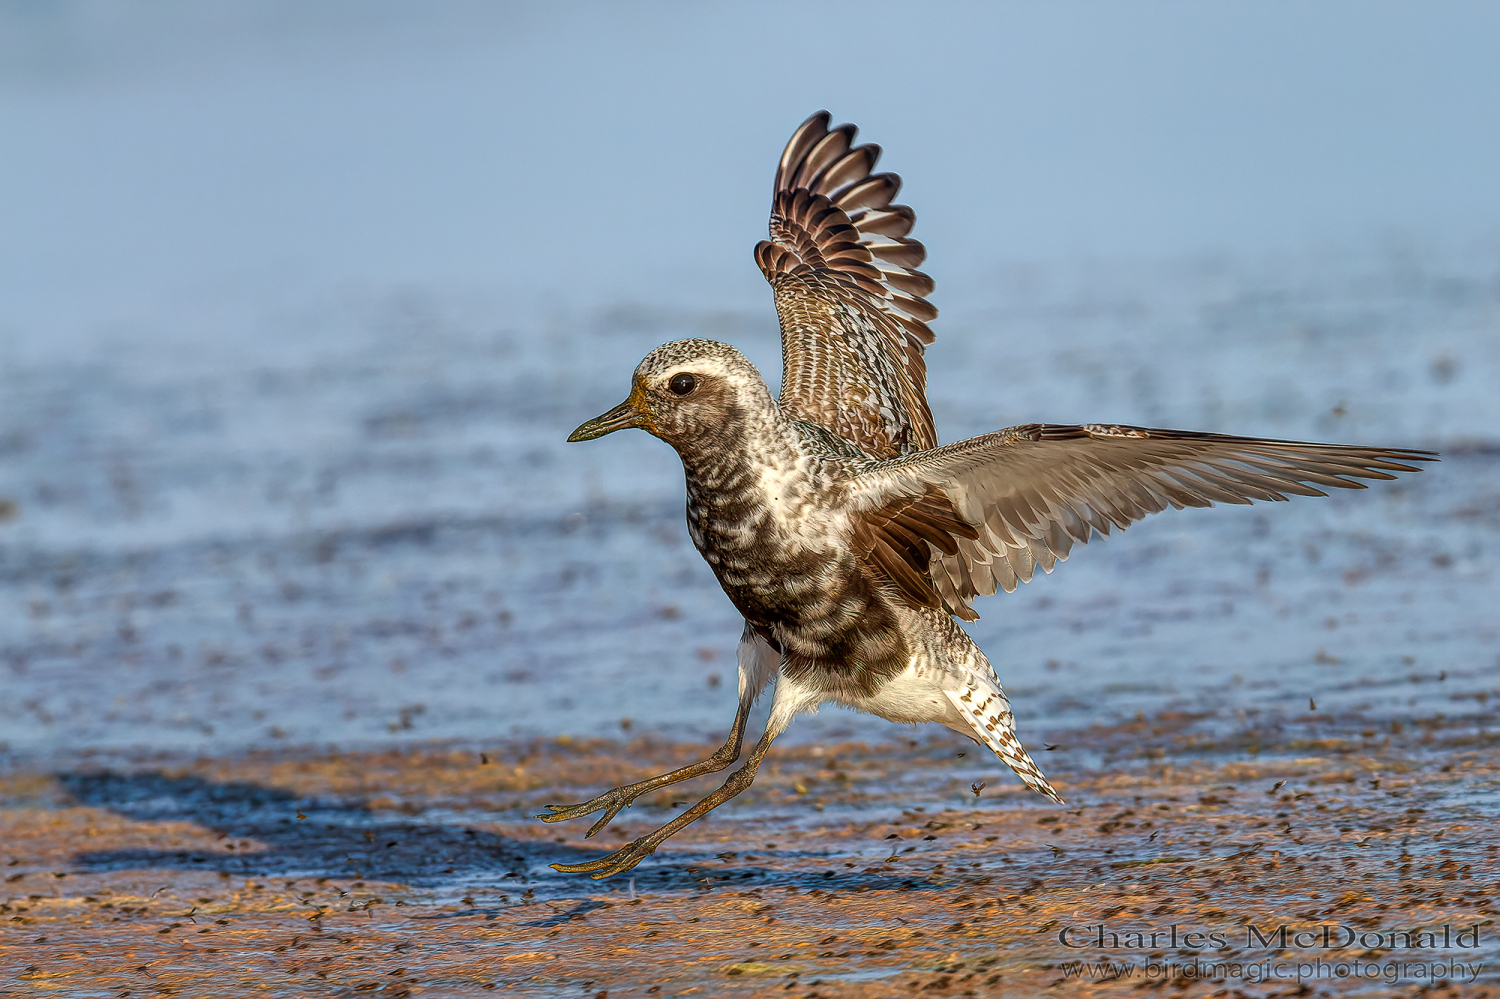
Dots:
(1304, 854)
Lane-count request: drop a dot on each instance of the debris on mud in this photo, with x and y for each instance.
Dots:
(421, 871)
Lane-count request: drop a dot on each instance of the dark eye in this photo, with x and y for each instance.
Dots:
(682, 384)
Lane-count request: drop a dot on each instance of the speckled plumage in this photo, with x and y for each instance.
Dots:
(846, 537)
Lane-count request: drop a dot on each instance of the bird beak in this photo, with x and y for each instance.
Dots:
(626, 414)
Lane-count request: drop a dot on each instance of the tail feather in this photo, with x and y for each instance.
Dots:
(987, 710)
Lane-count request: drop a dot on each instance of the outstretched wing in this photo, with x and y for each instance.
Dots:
(979, 515)
(853, 307)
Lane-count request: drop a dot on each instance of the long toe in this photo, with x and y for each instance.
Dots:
(618, 862)
(610, 801)
(592, 865)
(562, 813)
(606, 818)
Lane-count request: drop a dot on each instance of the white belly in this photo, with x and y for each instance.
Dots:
(913, 695)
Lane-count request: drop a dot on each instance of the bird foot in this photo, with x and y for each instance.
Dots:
(618, 862)
(612, 801)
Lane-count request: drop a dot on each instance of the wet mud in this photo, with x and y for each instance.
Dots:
(911, 867)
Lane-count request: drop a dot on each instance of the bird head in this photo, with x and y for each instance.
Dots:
(690, 393)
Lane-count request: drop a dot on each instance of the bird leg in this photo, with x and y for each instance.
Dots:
(628, 856)
(614, 800)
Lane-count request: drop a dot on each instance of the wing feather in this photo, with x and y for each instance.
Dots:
(853, 308)
(871, 195)
(1024, 496)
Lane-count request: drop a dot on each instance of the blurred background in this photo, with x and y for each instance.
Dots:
(298, 303)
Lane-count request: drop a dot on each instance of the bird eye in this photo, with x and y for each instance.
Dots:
(682, 384)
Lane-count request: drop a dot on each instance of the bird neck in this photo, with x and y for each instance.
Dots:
(739, 446)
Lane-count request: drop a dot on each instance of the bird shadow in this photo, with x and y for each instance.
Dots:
(262, 831)
(268, 831)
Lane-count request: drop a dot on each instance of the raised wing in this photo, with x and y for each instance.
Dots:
(1010, 501)
(853, 307)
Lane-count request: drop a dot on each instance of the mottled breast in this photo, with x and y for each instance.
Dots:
(766, 541)
(777, 547)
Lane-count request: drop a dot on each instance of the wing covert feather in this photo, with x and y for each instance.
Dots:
(1026, 495)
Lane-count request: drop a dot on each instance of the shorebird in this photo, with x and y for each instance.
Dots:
(846, 536)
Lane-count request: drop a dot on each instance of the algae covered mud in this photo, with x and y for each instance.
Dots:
(1332, 855)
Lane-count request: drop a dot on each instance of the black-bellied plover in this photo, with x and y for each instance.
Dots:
(845, 535)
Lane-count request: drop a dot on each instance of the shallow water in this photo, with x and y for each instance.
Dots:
(370, 528)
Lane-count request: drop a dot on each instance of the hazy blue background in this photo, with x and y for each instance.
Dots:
(163, 161)
(297, 302)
